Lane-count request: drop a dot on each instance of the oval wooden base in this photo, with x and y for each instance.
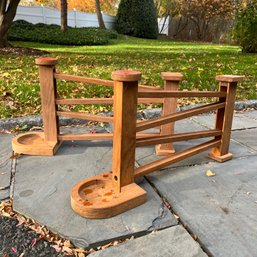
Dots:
(95, 198)
(33, 143)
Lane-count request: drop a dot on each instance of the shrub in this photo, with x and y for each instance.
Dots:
(24, 31)
(137, 18)
(245, 31)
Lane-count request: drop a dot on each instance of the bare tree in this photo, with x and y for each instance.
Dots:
(64, 13)
(99, 14)
(8, 10)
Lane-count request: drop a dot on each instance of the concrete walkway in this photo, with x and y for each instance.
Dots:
(219, 211)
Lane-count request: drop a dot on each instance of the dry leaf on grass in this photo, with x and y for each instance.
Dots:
(210, 173)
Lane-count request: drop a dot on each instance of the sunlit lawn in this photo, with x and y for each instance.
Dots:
(199, 63)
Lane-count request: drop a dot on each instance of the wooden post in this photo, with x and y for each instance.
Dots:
(124, 136)
(48, 96)
(171, 82)
(224, 116)
(109, 194)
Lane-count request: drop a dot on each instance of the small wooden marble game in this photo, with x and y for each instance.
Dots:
(114, 192)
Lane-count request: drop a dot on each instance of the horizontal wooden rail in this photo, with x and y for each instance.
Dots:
(84, 101)
(164, 162)
(83, 79)
(179, 94)
(99, 136)
(103, 82)
(77, 137)
(103, 100)
(178, 137)
(85, 116)
(145, 88)
(178, 116)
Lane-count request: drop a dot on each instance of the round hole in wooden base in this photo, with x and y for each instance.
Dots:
(95, 197)
(33, 143)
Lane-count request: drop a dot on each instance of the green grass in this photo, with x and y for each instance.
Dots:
(199, 63)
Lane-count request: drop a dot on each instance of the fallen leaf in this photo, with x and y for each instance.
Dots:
(57, 248)
(14, 249)
(210, 173)
(20, 219)
(66, 249)
(33, 243)
(67, 243)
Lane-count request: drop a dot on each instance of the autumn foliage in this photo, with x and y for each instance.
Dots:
(205, 12)
(108, 7)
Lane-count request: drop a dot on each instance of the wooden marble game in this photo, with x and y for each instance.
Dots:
(114, 192)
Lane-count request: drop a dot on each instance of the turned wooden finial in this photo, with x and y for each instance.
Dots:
(126, 75)
(230, 78)
(46, 61)
(172, 76)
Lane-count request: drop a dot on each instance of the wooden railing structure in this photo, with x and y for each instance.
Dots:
(114, 192)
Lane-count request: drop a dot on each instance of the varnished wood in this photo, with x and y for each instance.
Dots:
(171, 81)
(177, 137)
(177, 116)
(230, 78)
(173, 158)
(126, 76)
(84, 101)
(78, 137)
(46, 61)
(96, 81)
(224, 118)
(146, 88)
(95, 198)
(85, 116)
(103, 100)
(34, 143)
(124, 140)
(48, 96)
(82, 79)
(172, 76)
(99, 136)
(179, 94)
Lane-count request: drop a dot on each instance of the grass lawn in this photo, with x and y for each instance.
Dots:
(199, 63)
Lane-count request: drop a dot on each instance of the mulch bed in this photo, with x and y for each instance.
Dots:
(22, 51)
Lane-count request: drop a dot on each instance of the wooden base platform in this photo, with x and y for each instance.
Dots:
(159, 151)
(220, 158)
(33, 143)
(95, 198)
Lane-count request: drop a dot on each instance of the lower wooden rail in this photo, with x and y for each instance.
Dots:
(164, 162)
(111, 193)
(84, 116)
(99, 136)
(145, 141)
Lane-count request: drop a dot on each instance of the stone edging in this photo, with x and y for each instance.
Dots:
(31, 121)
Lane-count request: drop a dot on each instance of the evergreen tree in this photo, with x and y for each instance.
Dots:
(137, 18)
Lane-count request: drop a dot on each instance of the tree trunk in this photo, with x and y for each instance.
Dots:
(7, 13)
(64, 14)
(99, 14)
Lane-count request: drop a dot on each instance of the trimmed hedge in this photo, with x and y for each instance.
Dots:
(137, 18)
(51, 34)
